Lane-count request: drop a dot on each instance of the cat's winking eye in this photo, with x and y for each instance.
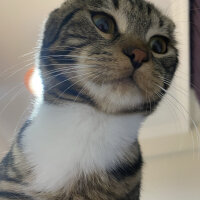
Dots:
(104, 23)
(159, 44)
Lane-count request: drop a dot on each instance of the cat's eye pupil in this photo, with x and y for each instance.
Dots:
(104, 23)
(158, 45)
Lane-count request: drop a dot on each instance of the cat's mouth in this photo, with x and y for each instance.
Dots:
(147, 108)
(125, 80)
(123, 95)
(143, 89)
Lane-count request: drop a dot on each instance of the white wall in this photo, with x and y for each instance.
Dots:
(21, 23)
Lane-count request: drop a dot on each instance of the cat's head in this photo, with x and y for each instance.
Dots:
(113, 54)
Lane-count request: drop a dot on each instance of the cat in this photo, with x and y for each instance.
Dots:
(103, 66)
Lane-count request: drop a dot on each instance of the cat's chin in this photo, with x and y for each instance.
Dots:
(118, 96)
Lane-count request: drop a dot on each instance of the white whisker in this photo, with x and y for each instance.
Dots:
(191, 119)
(20, 85)
(90, 74)
(12, 99)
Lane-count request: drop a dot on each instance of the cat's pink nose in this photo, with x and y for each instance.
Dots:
(139, 56)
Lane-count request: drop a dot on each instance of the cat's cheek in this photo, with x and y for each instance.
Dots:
(149, 81)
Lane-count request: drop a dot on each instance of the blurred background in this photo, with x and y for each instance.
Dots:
(170, 138)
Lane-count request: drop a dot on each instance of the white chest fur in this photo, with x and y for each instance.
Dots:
(63, 141)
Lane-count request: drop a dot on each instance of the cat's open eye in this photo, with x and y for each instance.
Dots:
(104, 23)
(158, 44)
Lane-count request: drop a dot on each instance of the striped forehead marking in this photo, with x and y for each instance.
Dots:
(117, 11)
(116, 4)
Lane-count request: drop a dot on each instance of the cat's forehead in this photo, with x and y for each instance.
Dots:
(117, 4)
(134, 16)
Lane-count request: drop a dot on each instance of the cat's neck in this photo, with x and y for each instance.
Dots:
(63, 140)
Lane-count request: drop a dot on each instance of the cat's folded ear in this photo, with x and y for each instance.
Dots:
(51, 28)
(57, 19)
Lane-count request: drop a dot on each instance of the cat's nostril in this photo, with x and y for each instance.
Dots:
(136, 65)
(139, 56)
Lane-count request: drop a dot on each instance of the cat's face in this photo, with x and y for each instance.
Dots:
(115, 54)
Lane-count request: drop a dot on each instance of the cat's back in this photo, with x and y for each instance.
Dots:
(12, 176)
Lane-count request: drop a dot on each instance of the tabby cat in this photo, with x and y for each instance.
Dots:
(103, 66)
